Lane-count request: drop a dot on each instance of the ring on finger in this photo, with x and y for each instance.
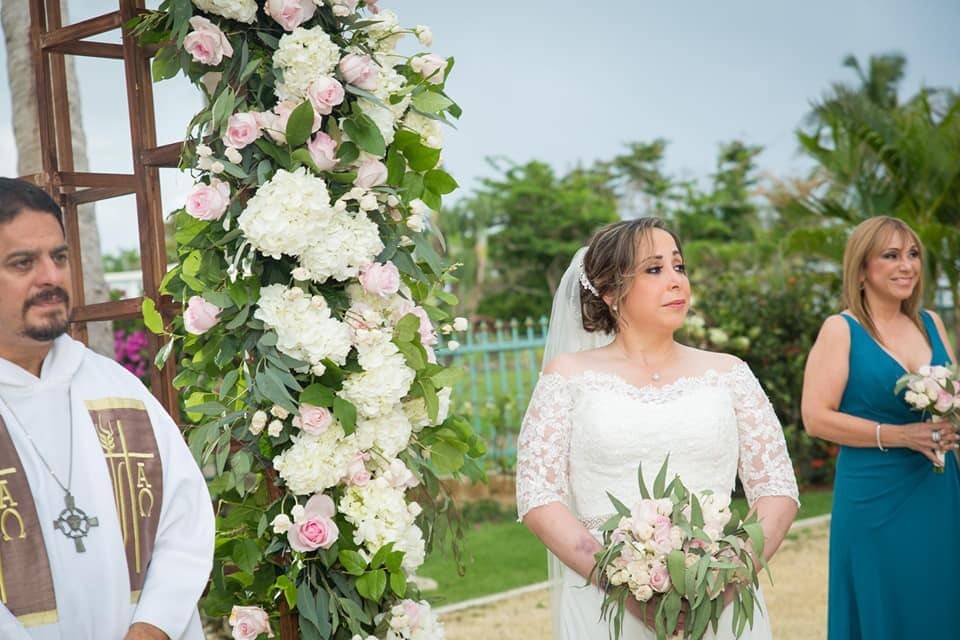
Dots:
(935, 436)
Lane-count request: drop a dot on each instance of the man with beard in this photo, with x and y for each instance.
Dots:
(106, 526)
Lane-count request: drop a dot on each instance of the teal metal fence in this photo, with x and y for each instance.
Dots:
(502, 362)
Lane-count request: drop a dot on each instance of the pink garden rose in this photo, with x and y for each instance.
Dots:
(323, 150)
(659, 578)
(314, 528)
(944, 402)
(249, 622)
(372, 6)
(200, 316)
(242, 129)
(380, 279)
(371, 173)
(290, 14)
(430, 66)
(325, 93)
(357, 473)
(428, 337)
(275, 122)
(313, 420)
(360, 71)
(206, 43)
(208, 201)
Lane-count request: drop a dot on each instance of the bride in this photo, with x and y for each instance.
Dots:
(617, 391)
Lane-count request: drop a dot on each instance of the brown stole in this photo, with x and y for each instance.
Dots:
(26, 585)
(130, 448)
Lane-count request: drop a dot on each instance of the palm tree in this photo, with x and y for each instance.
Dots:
(879, 156)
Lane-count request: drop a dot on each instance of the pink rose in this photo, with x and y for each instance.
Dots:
(242, 129)
(372, 6)
(206, 43)
(380, 279)
(275, 123)
(659, 578)
(944, 402)
(314, 528)
(323, 150)
(428, 337)
(249, 622)
(290, 14)
(430, 66)
(208, 201)
(325, 93)
(313, 420)
(200, 316)
(372, 173)
(357, 473)
(360, 71)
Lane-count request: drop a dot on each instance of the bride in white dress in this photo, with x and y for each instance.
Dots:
(618, 391)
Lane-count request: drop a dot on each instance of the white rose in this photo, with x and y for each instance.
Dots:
(424, 35)
(460, 324)
(275, 428)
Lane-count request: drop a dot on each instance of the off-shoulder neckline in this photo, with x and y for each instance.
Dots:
(709, 375)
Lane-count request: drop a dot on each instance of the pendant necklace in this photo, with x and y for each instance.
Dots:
(73, 522)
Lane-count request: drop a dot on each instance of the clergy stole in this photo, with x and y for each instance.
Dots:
(130, 450)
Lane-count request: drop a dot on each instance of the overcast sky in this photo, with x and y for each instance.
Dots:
(570, 82)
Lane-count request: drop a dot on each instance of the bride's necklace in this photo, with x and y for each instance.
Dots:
(73, 522)
(654, 375)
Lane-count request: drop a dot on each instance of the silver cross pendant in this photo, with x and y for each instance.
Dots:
(74, 523)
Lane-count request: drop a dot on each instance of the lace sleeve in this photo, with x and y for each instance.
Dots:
(543, 445)
(765, 467)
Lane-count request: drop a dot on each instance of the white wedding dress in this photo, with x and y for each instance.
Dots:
(584, 435)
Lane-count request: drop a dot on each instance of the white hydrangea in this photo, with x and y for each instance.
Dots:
(430, 130)
(384, 117)
(239, 10)
(389, 433)
(287, 214)
(384, 31)
(416, 410)
(411, 620)
(391, 83)
(382, 515)
(316, 463)
(305, 329)
(375, 393)
(346, 242)
(373, 311)
(303, 56)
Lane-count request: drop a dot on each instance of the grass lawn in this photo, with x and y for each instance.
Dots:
(503, 555)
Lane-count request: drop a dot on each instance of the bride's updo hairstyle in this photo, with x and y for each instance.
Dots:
(609, 267)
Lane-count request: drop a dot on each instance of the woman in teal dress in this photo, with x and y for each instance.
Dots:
(894, 550)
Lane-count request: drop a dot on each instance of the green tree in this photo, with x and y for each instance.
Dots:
(877, 155)
(537, 221)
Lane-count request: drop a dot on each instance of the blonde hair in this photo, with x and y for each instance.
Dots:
(868, 240)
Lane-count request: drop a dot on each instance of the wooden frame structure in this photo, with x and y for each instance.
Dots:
(50, 41)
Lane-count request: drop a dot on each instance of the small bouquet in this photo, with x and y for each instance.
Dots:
(679, 551)
(935, 391)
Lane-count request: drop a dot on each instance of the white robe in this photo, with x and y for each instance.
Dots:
(93, 588)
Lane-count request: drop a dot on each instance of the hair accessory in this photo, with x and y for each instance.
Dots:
(584, 282)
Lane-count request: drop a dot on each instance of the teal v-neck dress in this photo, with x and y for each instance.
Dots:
(895, 530)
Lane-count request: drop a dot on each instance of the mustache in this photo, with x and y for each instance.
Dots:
(53, 294)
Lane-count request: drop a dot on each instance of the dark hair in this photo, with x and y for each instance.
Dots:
(17, 195)
(609, 265)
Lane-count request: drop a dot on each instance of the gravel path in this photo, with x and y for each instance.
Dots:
(797, 600)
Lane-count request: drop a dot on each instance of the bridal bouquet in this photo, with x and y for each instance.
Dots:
(679, 551)
(934, 391)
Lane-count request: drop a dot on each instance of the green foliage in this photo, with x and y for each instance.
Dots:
(771, 319)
